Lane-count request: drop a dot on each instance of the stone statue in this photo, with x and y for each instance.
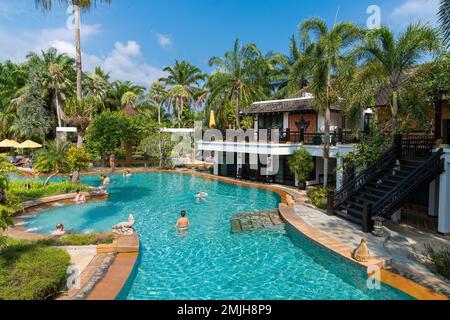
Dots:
(290, 201)
(125, 228)
(361, 253)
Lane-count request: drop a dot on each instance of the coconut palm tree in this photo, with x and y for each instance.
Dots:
(116, 91)
(183, 81)
(234, 81)
(96, 86)
(51, 159)
(79, 114)
(388, 61)
(55, 73)
(157, 94)
(327, 57)
(78, 6)
(444, 18)
(292, 75)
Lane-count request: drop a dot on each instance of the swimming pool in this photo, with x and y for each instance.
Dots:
(210, 262)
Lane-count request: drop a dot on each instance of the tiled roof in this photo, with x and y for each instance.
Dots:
(286, 105)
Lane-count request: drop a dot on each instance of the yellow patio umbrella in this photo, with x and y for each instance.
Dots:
(9, 144)
(212, 120)
(29, 145)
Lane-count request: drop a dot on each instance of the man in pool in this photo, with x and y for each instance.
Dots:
(80, 197)
(201, 196)
(183, 223)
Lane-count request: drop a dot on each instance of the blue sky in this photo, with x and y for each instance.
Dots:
(135, 39)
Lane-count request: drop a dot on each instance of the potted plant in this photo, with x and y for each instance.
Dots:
(301, 164)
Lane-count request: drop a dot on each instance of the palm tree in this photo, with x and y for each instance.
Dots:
(184, 86)
(389, 61)
(116, 91)
(327, 58)
(158, 94)
(55, 73)
(78, 5)
(96, 86)
(51, 159)
(235, 79)
(79, 114)
(292, 76)
(444, 18)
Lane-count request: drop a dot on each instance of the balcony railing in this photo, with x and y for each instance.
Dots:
(288, 136)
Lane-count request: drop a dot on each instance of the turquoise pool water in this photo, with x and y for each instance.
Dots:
(210, 262)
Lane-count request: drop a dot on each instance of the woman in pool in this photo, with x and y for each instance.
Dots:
(80, 197)
(127, 174)
(183, 223)
(59, 230)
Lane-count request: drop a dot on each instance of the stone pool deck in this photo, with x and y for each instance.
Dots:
(392, 252)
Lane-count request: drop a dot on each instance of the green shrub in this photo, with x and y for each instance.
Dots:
(79, 240)
(318, 197)
(440, 260)
(38, 190)
(32, 272)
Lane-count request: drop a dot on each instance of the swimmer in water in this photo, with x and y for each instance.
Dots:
(80, 197)
(201, 197)
(183, 223)
(127, 174)
(59, 230)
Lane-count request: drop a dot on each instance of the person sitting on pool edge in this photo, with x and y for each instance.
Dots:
(183, 223)
(80, 197)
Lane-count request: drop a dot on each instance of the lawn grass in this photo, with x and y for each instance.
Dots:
(30, 271)
(38, 190)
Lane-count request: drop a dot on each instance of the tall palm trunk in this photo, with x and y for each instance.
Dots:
(159, 135)
(326, 142)
(58, 109)
(394, 112)
(238, 108)
(76, 11)
(80, 138)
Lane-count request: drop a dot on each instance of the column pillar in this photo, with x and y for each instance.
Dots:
(444, 202)
(433, 199)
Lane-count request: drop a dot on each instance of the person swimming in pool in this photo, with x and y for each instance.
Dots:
(183, 223)
(127, 174)
(80, 197)
(201, 197)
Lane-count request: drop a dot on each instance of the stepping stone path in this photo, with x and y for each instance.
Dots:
(245, 222)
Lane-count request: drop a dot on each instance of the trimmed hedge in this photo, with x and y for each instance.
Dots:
(32, 272)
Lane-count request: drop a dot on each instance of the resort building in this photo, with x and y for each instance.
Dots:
(411, 181)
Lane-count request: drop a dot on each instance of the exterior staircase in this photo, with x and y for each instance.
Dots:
(382, 189)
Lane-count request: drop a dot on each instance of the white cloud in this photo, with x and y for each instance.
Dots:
(414, 10)
(124, 62)
(164, 40)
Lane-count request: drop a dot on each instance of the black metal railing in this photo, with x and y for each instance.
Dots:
(386, 160)
(427, 171)
(419, 145)
(288, 136)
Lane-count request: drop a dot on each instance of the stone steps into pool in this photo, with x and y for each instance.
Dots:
(250, 221)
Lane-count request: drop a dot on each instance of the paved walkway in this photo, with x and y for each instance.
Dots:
(398, 245)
